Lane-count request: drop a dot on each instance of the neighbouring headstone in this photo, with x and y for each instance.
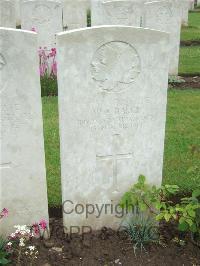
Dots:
(75, 14)
(120, 12)
(112, 84)
(191, 4)
(43, 16)
(183, 6)
(7, 14)
(22, 160)
(198, 3)
(165, 16)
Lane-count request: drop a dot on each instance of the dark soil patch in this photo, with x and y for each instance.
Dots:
(190, 82)
(190, 43)
(108, 247)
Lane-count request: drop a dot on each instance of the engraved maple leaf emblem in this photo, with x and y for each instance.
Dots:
(2, 61)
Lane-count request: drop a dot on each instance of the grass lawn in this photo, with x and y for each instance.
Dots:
(192, 32)
(182, 131)
(189, 60)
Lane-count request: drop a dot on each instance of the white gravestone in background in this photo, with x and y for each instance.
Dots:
(183, 6)
(112, 102)
(191, 4)
(7, 14)
(45, 17)
(164, 16)
(75, 14)
(119, 12)
(22, 161)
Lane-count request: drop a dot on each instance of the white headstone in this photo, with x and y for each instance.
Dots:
(118, 12)
(183, 5)
(22, 161)
(75, 14)
(7, 14)
(164, 16)
(191, 4)
(112, 102)
(198, 3)
(45, 16)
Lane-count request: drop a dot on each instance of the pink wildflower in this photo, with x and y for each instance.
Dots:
(36, 229)
(4, 213)
(43, 224)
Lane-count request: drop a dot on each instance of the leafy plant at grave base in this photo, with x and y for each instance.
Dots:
(20, 242)
(141, 229)
(155, 200)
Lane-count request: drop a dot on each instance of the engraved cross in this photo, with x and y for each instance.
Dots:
(115, 157)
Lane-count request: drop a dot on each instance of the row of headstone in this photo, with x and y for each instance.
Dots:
(46, 18)
(74, 12)
(159, 15)
(112, 83)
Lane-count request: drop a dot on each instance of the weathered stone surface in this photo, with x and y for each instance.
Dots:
(22, 162)
(75, 14)
(120, 12)
(7, 14)
(165, 16)
(112, 102)
(45, 17)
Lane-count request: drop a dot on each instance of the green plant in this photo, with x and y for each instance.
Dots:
(88, 18)
(4, 254)
(49, 86)
(141, 229)
(155, 200)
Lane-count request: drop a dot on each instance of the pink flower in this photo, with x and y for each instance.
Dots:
(54, 68)
(36, 229)
(53, 52)
(43, 224)
(33, 29)
(4, 213)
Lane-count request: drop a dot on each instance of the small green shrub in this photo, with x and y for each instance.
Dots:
(141, 229)
(156, 200)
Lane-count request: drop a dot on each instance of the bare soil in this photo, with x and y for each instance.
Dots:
(108, 247)
(190, 83)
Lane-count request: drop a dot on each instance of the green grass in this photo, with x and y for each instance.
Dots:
(192, 32)
(51, 136)
(189, 60)
(181, 167)
(182, 131)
